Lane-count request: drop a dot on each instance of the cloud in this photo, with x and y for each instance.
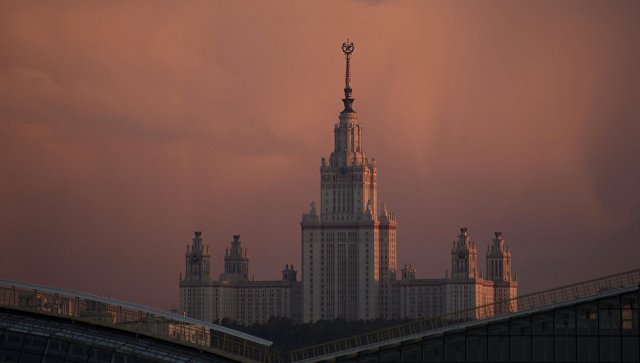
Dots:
(124, 127)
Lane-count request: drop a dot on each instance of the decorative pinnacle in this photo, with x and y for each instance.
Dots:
(347, 49)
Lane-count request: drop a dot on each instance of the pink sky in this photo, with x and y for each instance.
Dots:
(124, 127)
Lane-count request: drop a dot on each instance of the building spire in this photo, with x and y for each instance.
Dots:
(347, 49)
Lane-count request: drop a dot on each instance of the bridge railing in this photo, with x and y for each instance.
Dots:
(216, 339)
(418, 328)
(135, 318)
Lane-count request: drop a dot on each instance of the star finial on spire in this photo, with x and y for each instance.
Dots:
(347, 49)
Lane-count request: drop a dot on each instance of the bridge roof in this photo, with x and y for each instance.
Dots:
(126, 316)
(36, 334)
(523, 305)
(232, 344)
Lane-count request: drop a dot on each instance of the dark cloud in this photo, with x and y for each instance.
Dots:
(124, 127)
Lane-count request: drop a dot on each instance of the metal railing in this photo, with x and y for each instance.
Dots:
(237, 345)
(137, 319)
(419, 328)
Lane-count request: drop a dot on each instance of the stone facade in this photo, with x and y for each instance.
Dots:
(196, 286)
(233, 296)
(465, 288)
(349, 263)
(349, 249)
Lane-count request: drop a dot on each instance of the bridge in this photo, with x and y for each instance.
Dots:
(595, 320)
(525, 329)
(62, 325)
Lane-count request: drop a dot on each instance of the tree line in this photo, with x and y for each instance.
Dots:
(287, 335)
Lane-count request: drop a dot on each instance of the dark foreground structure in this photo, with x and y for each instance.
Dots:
(31, 338)
(603, 328)
(42, 324)
(592, 321)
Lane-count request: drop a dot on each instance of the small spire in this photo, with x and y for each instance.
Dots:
(347, 49)
(385, 211)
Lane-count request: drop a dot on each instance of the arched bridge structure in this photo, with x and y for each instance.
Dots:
(590, 321)
(596, 320)
(43, 324)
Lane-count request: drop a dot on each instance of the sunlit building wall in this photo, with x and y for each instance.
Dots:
(349, 256)
(465, 288)
(348, 248)
(233, 296)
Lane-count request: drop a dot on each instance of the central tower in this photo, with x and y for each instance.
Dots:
(348, 250)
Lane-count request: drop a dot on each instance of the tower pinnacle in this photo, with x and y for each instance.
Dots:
(347, 49)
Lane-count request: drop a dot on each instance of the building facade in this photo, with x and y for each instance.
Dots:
(465, 288)
(233, 296)
(196, 286)
(348, 249)
(349, 261)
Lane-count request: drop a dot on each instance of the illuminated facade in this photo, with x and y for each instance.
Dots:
(349, 261)
(348, 249)
(465, 288)
(349, 246)
(233, 296)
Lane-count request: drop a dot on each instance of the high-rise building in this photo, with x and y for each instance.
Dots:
(348, 250)
(348, 256)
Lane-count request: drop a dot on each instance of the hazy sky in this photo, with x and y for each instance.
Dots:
(126, 126)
